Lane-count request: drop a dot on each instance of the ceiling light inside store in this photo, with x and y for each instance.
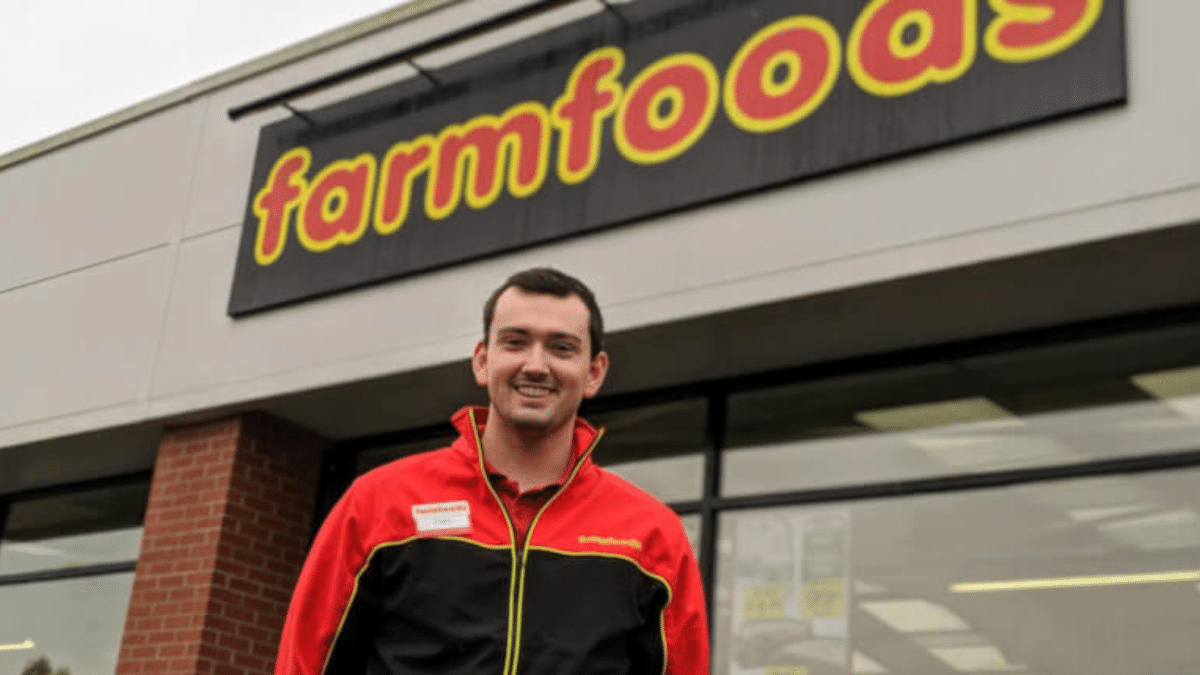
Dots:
(974, 659)
(1179, 388)
(914, 616)
(28, 644)
(947, 640)
(991, 451)
(867, 588)
(1169, 531)
(861, 663)
(941, 413)
(1090, 515)
(1076, 582)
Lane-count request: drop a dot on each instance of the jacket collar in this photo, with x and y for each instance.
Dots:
(470, 420)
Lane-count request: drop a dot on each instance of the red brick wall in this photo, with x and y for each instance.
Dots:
(226, 530)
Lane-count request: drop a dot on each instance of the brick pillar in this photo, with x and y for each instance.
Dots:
(226, 530)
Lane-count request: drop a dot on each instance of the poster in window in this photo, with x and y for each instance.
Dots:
(791, 595)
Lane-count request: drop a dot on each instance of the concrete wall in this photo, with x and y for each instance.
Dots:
(117, 252)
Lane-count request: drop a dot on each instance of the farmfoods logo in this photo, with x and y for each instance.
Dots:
(637, 128)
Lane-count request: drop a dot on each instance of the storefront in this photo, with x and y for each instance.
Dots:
(915, 353)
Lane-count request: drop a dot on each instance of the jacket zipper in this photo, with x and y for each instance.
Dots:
(516, 639)
(512, 537)
(516, 588)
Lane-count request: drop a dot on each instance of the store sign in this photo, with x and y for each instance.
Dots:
(669, 105)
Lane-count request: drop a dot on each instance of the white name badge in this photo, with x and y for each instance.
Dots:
(443, 518)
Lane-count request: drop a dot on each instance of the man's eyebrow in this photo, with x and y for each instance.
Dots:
(524, 332)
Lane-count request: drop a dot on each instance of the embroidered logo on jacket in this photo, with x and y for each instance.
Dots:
(442, 518)
(610, 541)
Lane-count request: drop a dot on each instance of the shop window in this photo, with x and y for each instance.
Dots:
(72, 530)
(1051, 406)
(1095, 576)
(658, 447)
(692, 526)
(66, 573)
(74, 624)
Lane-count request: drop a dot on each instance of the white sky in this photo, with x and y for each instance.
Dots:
(65, 62)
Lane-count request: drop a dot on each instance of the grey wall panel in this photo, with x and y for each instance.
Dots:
(114, 194)
(1163, 95)
(202, 347)
(80, 341)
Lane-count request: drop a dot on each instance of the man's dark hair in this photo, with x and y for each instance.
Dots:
(549, 281)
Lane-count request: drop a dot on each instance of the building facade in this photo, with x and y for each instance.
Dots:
(927, 399)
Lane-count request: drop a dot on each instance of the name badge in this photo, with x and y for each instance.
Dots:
(442, 518)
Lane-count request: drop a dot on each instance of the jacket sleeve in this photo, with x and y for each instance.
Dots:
(331, 605)
(685, 620)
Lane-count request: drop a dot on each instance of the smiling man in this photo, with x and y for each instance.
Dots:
(509, 552)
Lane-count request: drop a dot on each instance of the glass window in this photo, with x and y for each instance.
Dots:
(75, 624)
(692, 525)
(74, 529)
(1017, 410)
(660, 447)
(1085, 577)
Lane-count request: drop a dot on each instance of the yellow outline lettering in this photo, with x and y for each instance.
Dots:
(605, 83)
(341, 170)
(402, 191)
(712, 83)
(462, 145)
(931, 73)
(264, 214)
(1009, 13)
(733, 107)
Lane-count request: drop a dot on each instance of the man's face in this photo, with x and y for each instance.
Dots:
(536, 362)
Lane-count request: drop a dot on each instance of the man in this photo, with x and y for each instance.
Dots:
(509, 552)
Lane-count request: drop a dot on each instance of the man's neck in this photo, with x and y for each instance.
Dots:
(532, 459)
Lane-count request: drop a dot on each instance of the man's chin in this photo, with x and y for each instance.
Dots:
(532, 423)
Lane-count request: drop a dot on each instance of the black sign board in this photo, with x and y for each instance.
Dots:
(651, 107)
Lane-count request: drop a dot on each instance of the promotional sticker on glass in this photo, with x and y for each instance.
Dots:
(791, 595)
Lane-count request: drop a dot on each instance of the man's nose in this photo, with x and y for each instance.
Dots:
(536, 363)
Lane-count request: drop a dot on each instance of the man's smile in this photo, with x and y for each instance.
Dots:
(533, 390)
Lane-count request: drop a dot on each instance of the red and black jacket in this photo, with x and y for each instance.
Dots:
(604, 583)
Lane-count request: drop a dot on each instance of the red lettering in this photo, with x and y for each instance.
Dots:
(592, 94)
(520, 137)
(1030, 30)
(806, 49)
(337, 205)
(898, 46)
(667, 108)
(401, 165)
(274, 203)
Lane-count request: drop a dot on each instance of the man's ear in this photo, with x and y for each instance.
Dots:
(479, 363)
(596, 372)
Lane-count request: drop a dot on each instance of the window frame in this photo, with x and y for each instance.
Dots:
(98, 569)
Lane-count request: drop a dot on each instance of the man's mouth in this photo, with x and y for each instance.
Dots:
(533, 390)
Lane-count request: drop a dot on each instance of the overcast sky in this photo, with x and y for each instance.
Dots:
(65, 62)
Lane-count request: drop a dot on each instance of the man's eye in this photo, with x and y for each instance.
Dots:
(512, 342)
(564, 348)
